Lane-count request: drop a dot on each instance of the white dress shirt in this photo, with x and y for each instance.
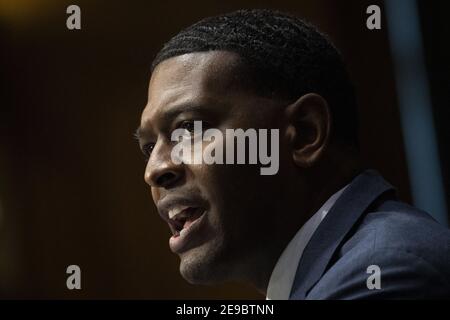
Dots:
(282, 278)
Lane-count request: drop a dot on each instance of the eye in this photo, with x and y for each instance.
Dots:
(147, 150)
(187, 125)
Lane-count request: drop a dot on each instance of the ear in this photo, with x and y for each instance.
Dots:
(308, 128)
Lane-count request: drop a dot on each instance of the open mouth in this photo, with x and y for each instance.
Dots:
(181, 219)
(187, 228)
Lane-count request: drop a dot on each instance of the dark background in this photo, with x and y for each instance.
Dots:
(71, 175)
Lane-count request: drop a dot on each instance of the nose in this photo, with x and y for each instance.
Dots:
(161, 171)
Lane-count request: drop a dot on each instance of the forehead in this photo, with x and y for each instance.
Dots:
(192, 78)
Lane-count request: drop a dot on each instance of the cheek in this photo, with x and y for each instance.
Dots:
(233, 190)
(219, 185)
(155, 194)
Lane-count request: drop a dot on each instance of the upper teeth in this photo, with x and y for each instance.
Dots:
(176, 211)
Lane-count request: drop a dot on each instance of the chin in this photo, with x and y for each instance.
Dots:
(201, 267)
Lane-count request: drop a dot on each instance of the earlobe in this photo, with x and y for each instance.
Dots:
(308, 129)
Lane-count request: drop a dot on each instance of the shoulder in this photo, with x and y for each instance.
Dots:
(410, 250)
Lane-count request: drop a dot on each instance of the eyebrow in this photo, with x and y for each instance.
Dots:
(172, 113)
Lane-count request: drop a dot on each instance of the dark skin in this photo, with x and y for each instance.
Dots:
(248, 218)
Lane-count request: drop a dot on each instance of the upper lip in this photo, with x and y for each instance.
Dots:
(171, 206)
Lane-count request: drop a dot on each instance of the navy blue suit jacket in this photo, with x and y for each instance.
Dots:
(369, 226)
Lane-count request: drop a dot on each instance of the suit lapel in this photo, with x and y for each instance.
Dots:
(358, 196)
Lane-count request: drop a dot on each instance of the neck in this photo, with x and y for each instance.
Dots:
(335, 174)
(320, 183)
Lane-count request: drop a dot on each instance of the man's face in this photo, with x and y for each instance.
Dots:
(230, 213)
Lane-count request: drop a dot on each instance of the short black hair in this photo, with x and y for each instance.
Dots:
(285, 56)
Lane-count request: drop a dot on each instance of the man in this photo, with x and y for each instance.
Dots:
(321, 227)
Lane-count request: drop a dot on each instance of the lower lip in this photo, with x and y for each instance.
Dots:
(184, 241)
